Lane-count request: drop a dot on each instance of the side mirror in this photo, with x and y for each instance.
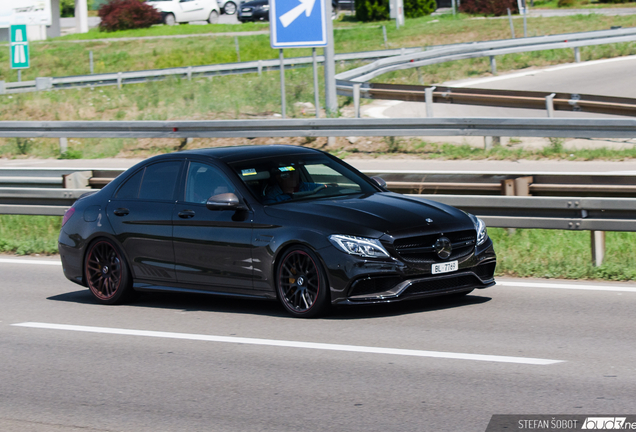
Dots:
(225, 201)
(380, 181)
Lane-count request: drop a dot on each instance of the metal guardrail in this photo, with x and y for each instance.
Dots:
(186, 72)
(486, 49)
(500, 98)
(516, 127)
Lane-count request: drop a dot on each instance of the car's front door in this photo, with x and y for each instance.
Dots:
(193, 10)
(140, 213)
(212, 247)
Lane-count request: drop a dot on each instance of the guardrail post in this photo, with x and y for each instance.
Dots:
(386, 42)
(598, 247)
(577, 55)
(189, 73)
(63, 145)
(2, 88)
(119, 79)
(428, 97)
(43, 83)
(491, 141)
(260, 67)
(549, 104)
(493, 65)
(356, 99)
(512, 27)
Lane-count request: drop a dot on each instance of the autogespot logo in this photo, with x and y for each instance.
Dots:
(607, 423)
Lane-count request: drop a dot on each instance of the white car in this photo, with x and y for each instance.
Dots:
(183, 11)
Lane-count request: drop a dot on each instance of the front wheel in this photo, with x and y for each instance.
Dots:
(229, 8)
(169, 20)
(214, 17)
(301, 284)
(107, 273)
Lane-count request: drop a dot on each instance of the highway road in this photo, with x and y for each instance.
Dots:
(200, 363)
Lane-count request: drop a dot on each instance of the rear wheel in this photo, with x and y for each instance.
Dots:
(214, 17)
(107, 273)
(301, 284)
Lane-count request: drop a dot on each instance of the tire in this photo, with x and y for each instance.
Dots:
(301, 284)
(214, 17)
(169, 19)
(107, 273)
(229, 8)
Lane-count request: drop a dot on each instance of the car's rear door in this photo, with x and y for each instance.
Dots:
(141, 215)
(212, 247)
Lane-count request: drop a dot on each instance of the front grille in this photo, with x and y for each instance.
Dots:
(443, 284)
(421, 250)
(373, 285)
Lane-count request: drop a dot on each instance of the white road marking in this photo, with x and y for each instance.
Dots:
(481, 81)
(30, 261)
(292, 344)
(616, 288)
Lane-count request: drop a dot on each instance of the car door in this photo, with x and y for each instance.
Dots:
(140, 213)
(193, 10)
(212, 247)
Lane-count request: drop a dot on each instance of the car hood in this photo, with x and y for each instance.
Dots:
(373, 215)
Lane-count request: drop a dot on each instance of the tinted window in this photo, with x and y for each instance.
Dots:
(130, 189)
(159, 181)
(205, 181)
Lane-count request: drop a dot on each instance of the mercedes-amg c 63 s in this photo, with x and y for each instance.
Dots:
(275, 222)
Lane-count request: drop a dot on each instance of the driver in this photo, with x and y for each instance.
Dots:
(287, 184)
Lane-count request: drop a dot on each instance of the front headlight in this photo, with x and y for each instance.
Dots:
(364, 247)
(480, 227)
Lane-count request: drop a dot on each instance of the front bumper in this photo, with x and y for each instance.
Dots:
(355, 280)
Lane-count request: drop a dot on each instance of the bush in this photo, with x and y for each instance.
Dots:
(489, 7)
(418, 8)
(566, 3)
(127, 14)
(372, 10)
(379, 10)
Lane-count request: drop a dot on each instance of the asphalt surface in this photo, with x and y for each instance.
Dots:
(553, 351)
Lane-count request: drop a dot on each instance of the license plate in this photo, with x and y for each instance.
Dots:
(448, 267)
(246, 14)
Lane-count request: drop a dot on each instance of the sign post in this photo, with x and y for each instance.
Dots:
(300, 24)
(19, 48)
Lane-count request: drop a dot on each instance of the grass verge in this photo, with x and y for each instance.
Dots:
(523, 253)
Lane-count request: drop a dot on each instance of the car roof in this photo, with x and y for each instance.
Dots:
(244, 153)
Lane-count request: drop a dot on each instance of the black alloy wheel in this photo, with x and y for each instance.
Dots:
(301, 284)
(107, 273)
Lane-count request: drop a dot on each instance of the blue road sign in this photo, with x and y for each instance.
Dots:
(297, 23)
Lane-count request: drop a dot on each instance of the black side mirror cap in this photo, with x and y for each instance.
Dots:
(380, 181)
(225, 201)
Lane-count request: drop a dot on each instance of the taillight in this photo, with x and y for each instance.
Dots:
(67, 215)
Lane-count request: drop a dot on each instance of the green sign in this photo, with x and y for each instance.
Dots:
(19, 47)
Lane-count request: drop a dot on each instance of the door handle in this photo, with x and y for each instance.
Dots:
(121, 212)
(186, 214)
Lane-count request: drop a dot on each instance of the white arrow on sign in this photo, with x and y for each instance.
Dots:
(305, 6)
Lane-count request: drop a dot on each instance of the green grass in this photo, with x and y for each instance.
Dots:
(26, 235)
(563, 254)
(524, 253)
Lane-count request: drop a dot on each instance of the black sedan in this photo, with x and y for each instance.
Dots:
(274, 222)
(255, 10)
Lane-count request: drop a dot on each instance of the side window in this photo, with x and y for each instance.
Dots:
(205, 181)
(159, 181)
(130, 189)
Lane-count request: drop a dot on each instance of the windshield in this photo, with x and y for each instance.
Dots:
(299, 177)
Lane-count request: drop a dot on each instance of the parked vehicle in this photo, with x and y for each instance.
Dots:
(184, 11)
(258, 10)
(274, 222)
(255, 10)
